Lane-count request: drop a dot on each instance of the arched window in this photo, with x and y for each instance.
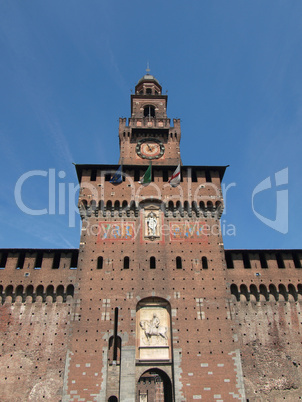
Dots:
(50, 290)
(254, 292)
(40, 291)
(283, 292)
(9, 290)
(149, 111)
(60, 290)
(100, 262)
(152, 263)
(204, 262)
(194, 207)
(93, 206)
(292, 291)
(234, 291)
(19, 290)
(264, 292)
(70, 290)
(178, 263)
(273, 291)
(171, 206)
(101, 206)
(244, 292)
(186, 206)
(29, 290)
(126, 262)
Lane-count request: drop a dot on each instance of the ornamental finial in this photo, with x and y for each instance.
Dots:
(148, 69)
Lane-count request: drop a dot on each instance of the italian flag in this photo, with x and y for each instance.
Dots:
(146, 179)
(175, 178)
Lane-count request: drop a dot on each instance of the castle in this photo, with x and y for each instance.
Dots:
(151, 307)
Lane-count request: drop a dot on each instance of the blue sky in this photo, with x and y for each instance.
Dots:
(232, 70)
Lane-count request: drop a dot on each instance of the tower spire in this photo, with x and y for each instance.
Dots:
(148, 68)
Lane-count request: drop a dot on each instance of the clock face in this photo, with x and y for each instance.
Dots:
(150, 149)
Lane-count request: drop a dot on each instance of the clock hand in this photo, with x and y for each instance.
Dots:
(150, 149)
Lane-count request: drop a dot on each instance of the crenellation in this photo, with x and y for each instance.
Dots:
(261, 260)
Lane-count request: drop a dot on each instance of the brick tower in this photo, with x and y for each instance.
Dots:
(152, 316)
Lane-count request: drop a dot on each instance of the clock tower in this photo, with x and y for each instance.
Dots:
(152, 318)
(149, 135)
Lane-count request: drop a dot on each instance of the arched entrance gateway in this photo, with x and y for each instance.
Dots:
(113, 398)
(154, 385)
(153, 350)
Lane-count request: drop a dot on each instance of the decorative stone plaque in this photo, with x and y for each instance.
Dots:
(153, 333)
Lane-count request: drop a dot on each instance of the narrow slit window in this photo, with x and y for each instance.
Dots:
(178, 263)
(100, 263)
(152, 263)
(204, 262)
(126, 263)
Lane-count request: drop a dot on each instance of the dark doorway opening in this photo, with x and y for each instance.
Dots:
(154, 385)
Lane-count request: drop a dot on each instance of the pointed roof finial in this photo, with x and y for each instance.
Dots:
(148, 69)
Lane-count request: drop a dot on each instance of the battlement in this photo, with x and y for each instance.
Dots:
(264, 275)
(263, 259)
(189, 173)
(198, 194)
(29, 275)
